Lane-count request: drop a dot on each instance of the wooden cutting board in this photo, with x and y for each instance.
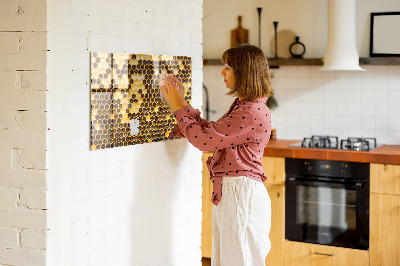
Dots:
(239, 35)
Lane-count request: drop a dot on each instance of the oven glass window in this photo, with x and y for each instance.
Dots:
(326, 207)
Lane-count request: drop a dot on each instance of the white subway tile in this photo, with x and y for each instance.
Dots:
(394, 110)
(355, 96)
(394, 137)
(367, 123)
(381, 97)
(394, 97)
(381, 123)
(367, 96)
(380, 71)
(381, 110)
(394, 123)
(394, 83)
(382, 136)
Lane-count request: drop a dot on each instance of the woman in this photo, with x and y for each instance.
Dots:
(242, 208)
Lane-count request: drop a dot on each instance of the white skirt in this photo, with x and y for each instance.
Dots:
(241, 223)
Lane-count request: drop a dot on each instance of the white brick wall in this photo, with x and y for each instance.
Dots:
(136, 205)
(23, 132)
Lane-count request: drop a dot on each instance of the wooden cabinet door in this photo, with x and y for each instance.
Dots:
(384, 237)
(277, 233)
(385, 178)
(304, 254)
(206, 226)
(274, 168)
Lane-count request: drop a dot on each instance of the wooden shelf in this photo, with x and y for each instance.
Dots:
(274, 63)
(380, 61)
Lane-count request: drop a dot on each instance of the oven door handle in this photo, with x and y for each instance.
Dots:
(357, 185)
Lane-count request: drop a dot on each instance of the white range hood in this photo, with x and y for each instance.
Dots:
(341, 51)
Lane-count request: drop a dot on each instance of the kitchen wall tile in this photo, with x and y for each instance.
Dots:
(329, 122)
(292, 82)
(381, 97)
(367, 133)
(367, 96)
(304, 72)
(315, 72)
(367, 110)
(291, 71)
(367, 80)
(394, 83)
(355, 96)
(380, 84)
(354, 80)
(381, 110)
(380, 71)
(329, 109)
(393, 71)
(304, 82)
(381, 136)
(367, 122)
(342, 96)
(394, 97)
(328, 74)
(394, 110)
(355, 122)
(355, 132)
(394, 123)
(394, 137)
(381, 122)
(342, 122)
(317, 107)
(355, 109)
(364, 99)
(342, 109)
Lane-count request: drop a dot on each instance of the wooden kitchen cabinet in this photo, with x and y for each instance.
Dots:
(385, 215)
(206, 225)
(305, 254)
(385, 178)
(277, 233)
(274, 168)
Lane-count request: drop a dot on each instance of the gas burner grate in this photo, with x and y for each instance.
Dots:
(358, 144)
(327, 142)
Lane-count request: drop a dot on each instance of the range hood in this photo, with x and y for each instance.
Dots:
(341, 51)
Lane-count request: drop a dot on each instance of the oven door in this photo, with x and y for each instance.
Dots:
(327, 213)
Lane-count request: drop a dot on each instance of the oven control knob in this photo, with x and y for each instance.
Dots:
(308, 166)
(343, 168)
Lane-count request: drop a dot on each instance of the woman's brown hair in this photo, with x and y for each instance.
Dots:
(250, 66)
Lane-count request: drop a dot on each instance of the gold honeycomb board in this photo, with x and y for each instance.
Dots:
(126, 108)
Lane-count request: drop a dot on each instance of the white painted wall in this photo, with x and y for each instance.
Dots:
(311, 102)
(23, 133)
(306, 19)
(136, 205)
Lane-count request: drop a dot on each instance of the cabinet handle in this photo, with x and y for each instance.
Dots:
(324, 254)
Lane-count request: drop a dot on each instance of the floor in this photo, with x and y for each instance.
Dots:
(206, 261)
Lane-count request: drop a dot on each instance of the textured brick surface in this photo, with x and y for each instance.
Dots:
(23, 126)
(33, 239)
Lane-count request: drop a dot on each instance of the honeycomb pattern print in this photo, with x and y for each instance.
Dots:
(126, 108)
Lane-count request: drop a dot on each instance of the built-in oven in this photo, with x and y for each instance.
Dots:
(327, 202)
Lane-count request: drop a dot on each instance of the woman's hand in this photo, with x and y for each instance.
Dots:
(174, 94)
(181, 91)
